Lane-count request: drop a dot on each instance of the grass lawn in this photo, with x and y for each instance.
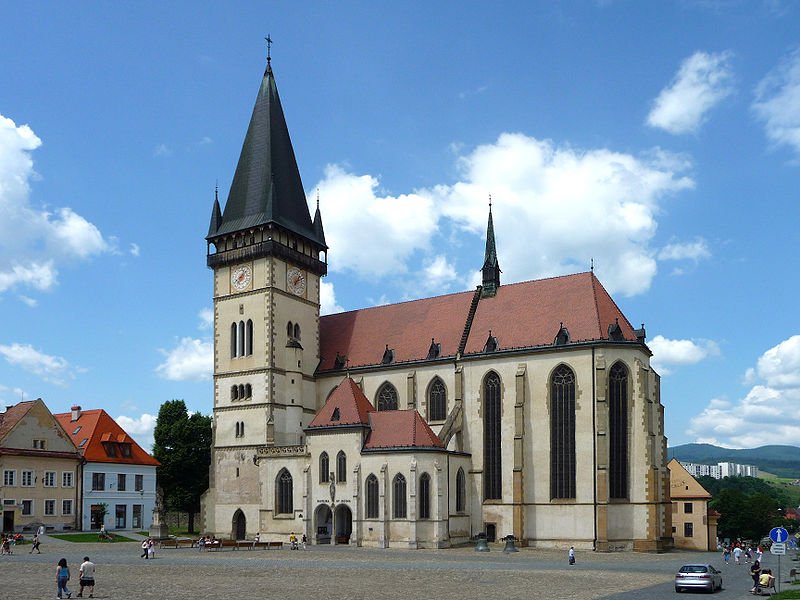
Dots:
(88, 537)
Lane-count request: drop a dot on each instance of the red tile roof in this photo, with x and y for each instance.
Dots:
(353, 407)
(400, 429)
(528, 314)
(521, 315)
(406, 327)
(13, 415)
(96, 426)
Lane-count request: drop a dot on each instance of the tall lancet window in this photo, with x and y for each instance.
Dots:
(562, 433)
(618, 431)
(492, 436)
(387, 397)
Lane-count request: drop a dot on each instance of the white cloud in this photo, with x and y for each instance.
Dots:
(135, 250)
(702, 81)
(141, 428)
(576, 204)
(327, 299)
(777, 103)
(685, 251)
(190, 360)
(53, 369)
(377, 233)
(768, 413)
(162, 151)
(32, 302)
(35, 243)
(668, 353)
(206, 317)
(438, 274)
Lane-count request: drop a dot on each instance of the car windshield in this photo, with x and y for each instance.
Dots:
(694, 569)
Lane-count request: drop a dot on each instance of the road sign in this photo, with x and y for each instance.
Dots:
(778, 548)
(778, 534)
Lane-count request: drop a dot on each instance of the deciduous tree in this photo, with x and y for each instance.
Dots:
(182, 444)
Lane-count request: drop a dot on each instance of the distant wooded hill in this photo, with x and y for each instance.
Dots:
(783, 461)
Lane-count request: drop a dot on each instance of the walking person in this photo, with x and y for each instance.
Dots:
(726, 554)
(737, 555)
(151, 548)
(144, 549)
(36, 544)
(62, 577)
(86, 575)
(571, 555)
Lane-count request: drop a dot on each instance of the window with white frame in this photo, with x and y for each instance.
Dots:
(67, 479)
(49, 508)
(27, 508)
(98, 482)
(121, 482)
(9, 477)
(66, 508)
(139, 483)
(27, 479)
(49, 479)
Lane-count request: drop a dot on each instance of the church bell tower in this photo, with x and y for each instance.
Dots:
(268, 256)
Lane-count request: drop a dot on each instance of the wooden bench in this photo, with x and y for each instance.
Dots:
(177, 543)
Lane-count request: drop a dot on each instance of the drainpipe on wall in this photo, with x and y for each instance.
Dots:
(594, 447)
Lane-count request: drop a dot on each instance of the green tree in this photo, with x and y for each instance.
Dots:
(182, 444)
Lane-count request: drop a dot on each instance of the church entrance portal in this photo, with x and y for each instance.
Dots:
(239, 525)
(323, 521)
(343, 520)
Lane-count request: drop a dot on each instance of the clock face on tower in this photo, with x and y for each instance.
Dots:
(296, 281)
(240, 277)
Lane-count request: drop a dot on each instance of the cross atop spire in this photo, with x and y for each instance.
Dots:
(269, 49)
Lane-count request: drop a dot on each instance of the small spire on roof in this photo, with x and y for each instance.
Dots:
(317, 198)
(269, 50)
(490, 203)
(591, 264)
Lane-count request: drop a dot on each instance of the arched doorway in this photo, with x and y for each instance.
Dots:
(344, 524)
(239, 525)
(323, 524)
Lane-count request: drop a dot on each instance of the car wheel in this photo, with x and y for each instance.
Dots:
(677, 589)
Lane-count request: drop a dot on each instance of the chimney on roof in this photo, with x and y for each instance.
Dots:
(76, 412)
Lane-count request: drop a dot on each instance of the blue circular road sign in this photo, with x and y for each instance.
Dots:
(778, 535)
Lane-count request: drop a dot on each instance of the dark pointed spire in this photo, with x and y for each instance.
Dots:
(216, 214)
(318, 230)
(266, 187)
(491, 267)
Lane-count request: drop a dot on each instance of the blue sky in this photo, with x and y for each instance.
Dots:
(660, 139)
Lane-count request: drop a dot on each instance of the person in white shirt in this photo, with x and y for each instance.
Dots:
(86, 577)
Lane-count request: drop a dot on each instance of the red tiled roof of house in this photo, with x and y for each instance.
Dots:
(12, 416)
(406, 328)
(521, 315)
(400, 429)
(96, 426)
(350, 402)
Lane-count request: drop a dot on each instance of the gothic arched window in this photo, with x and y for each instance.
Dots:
(387, 397)
(234, 392)
(399, 497)
(297, 331)
(248, 391)
(289, 329)
(461, 491)
(371, 507)
(341, 466)
(240, 340)
(618, 431)
(241, 390)
(425, 496)
(437, 400)
(249, 338)
(562, 433)
(492, 437)
(284, 493)
(234, 346)
(324, 468)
